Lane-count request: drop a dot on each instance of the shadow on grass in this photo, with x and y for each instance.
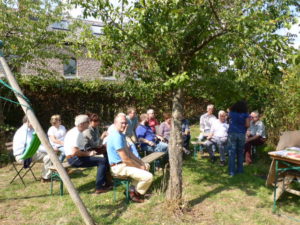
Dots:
(25, 197)
(113, 212)
(214, 175)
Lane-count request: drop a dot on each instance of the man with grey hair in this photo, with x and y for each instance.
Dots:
(124, 163)
(255, 136)
(206, 121)
(218, 136)
(77, 157)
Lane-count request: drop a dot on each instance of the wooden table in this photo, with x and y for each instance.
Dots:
(290, 166)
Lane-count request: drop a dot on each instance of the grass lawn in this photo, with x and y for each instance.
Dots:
(210, 196)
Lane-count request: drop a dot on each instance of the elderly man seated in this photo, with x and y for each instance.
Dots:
(77, 157)
(218, 136)
(22, 139)
(256, 135)
(124, 163)
(149, 141)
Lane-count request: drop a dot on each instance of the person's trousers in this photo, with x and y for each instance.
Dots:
(186, 141)
(90, 161)
(42, 157)
(141, 179)
(220, 143)
(235, 146)
(248, 146)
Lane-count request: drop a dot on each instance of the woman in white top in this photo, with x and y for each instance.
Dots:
(56, 134)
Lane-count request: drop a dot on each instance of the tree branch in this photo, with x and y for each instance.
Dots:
(216, 15)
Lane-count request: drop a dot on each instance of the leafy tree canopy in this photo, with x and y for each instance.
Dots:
(25, 29)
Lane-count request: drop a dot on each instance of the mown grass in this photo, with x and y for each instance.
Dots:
(210, 197)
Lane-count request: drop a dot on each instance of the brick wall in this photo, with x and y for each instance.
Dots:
(86, 68)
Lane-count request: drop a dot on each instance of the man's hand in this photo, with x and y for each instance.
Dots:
(151, 143)
(147, 166)
(143, 167)
(92, 153)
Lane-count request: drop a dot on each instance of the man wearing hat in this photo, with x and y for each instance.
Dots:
(77, 157)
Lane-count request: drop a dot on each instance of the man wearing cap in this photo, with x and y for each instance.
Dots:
(124, 163)
(77, 157)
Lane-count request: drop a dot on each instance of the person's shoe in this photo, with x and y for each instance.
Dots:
(43, 180)
(101, 191)
(222, 163)
(135, 197)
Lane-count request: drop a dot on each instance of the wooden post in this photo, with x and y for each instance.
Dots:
(45, 142)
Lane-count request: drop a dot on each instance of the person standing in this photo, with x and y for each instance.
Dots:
(239, 121)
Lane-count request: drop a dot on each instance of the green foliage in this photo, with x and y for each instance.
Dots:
(25, 31)
(71, 97)
(283, 110)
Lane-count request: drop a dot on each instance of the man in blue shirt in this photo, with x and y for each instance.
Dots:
(124, 163)
(150, 141)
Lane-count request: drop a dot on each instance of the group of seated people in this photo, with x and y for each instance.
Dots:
(214, 131)
(82, 144)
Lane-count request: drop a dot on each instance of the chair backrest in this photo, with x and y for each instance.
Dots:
(32, 147)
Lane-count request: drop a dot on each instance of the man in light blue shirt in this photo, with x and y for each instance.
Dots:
(124, 163)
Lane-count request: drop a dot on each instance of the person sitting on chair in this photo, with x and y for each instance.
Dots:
(149, 141)
(152, 120)
(78, 157)
(132, 123)
(56, 134)
(92, 139)
(124, 164)
(218, 136)
(206, 121)
(165, 127)
(255, 136)
(22, 139)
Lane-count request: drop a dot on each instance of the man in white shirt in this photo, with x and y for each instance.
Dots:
(21, 141)
(218, 136)
(206, 121)
(77, 157)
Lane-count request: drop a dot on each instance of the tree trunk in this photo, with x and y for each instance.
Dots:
(174, 191)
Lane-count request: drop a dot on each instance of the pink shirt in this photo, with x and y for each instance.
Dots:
(152, 124)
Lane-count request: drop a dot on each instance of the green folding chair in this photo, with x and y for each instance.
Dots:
(28, 153)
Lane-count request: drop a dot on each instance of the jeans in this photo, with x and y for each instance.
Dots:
(62, 155)
(236, 142)
(159, 147)
(220, 143)
(91, 161)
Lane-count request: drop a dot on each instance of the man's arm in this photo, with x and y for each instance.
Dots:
(76, 152)
(129, 161)
(143, 140)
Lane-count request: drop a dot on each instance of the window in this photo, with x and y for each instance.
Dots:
(70, 68)
(96, 29)
(62, 25)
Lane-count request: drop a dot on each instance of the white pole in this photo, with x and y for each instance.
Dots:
(45, 142)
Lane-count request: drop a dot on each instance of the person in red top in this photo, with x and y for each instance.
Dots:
(152, 121)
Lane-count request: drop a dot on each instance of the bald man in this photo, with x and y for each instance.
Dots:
(124, 163)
